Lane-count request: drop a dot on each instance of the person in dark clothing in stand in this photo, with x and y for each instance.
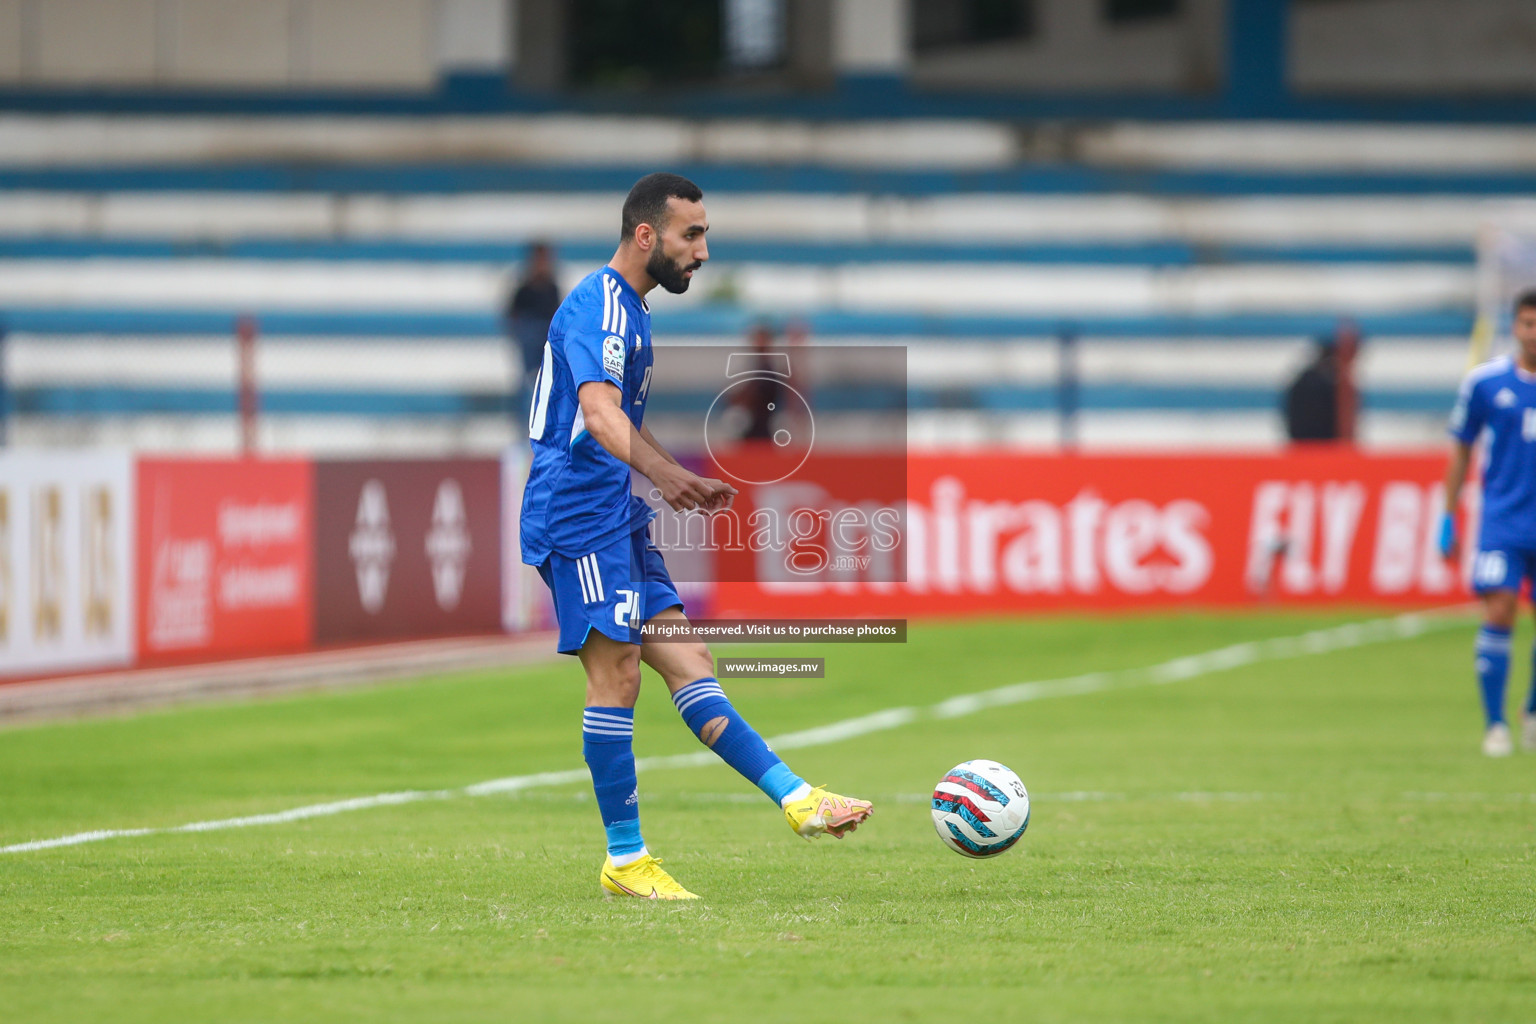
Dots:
(762, 399)
(530, 308)
(1320, 403)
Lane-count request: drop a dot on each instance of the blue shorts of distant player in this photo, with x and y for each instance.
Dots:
(1502, 568)
(612, 590)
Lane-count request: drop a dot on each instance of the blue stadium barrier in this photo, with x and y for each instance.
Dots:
(853, 98)
(131, 401)
(1002, 398)
(1170, 253)
(723, 321)
(447, 178)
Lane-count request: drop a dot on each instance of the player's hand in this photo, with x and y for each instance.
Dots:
(1448, 540)
(685, 491)
(721, 497)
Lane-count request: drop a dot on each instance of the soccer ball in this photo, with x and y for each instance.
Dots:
(980, 808)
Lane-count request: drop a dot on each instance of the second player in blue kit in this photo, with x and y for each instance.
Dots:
(588, 536)
(1497, 404)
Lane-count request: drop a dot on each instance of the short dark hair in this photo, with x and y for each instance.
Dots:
(647, 201)
(1525, 300)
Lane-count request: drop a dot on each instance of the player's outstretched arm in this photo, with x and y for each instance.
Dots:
(602, 410)
(650, 439)
(1455, 478)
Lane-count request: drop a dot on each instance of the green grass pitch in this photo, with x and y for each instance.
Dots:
(1315, 839)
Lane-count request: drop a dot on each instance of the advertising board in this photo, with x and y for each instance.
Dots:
(408, 548)
(1007, 532)
(224, 551)
(66, 561)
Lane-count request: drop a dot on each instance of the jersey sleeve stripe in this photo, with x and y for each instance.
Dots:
(607, 303)
(1492, 368)
(623, 321)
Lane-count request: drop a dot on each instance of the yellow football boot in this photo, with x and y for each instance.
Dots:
(643, 878)
(820, 811)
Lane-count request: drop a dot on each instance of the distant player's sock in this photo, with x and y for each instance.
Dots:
(607, 744)
(710, 716)
(1492, 649)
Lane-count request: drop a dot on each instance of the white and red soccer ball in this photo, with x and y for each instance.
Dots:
(980, 808)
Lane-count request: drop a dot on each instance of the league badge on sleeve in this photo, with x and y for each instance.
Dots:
(613, 357)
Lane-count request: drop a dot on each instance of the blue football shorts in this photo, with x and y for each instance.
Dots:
(612, 590)
(1502, 568)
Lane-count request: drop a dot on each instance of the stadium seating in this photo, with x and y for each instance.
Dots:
(1190, 263)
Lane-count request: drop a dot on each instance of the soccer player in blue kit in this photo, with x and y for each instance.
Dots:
(589, 535)
(1498, 399)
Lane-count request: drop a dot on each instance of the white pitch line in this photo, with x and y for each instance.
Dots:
(1321, 641)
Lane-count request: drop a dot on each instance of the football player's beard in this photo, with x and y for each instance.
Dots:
(669, 274)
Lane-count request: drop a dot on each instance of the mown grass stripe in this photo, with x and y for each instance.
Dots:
(1314, 642)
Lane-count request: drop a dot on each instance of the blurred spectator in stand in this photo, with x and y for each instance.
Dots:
(760, 401)
(529, 310)
(1321, 402)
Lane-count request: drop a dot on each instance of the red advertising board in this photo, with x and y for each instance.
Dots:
(224, 558)
(1007, 532)
(407, 549)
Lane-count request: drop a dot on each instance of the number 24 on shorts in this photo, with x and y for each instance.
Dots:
(626, 612)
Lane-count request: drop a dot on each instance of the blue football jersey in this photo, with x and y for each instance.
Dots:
(1500, 398)
(578, 496)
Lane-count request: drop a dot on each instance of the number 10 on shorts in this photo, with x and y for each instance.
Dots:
(627, 611)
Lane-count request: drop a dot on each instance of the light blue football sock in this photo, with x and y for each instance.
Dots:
(607, 744)
(1492, 651)
(710, 716)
